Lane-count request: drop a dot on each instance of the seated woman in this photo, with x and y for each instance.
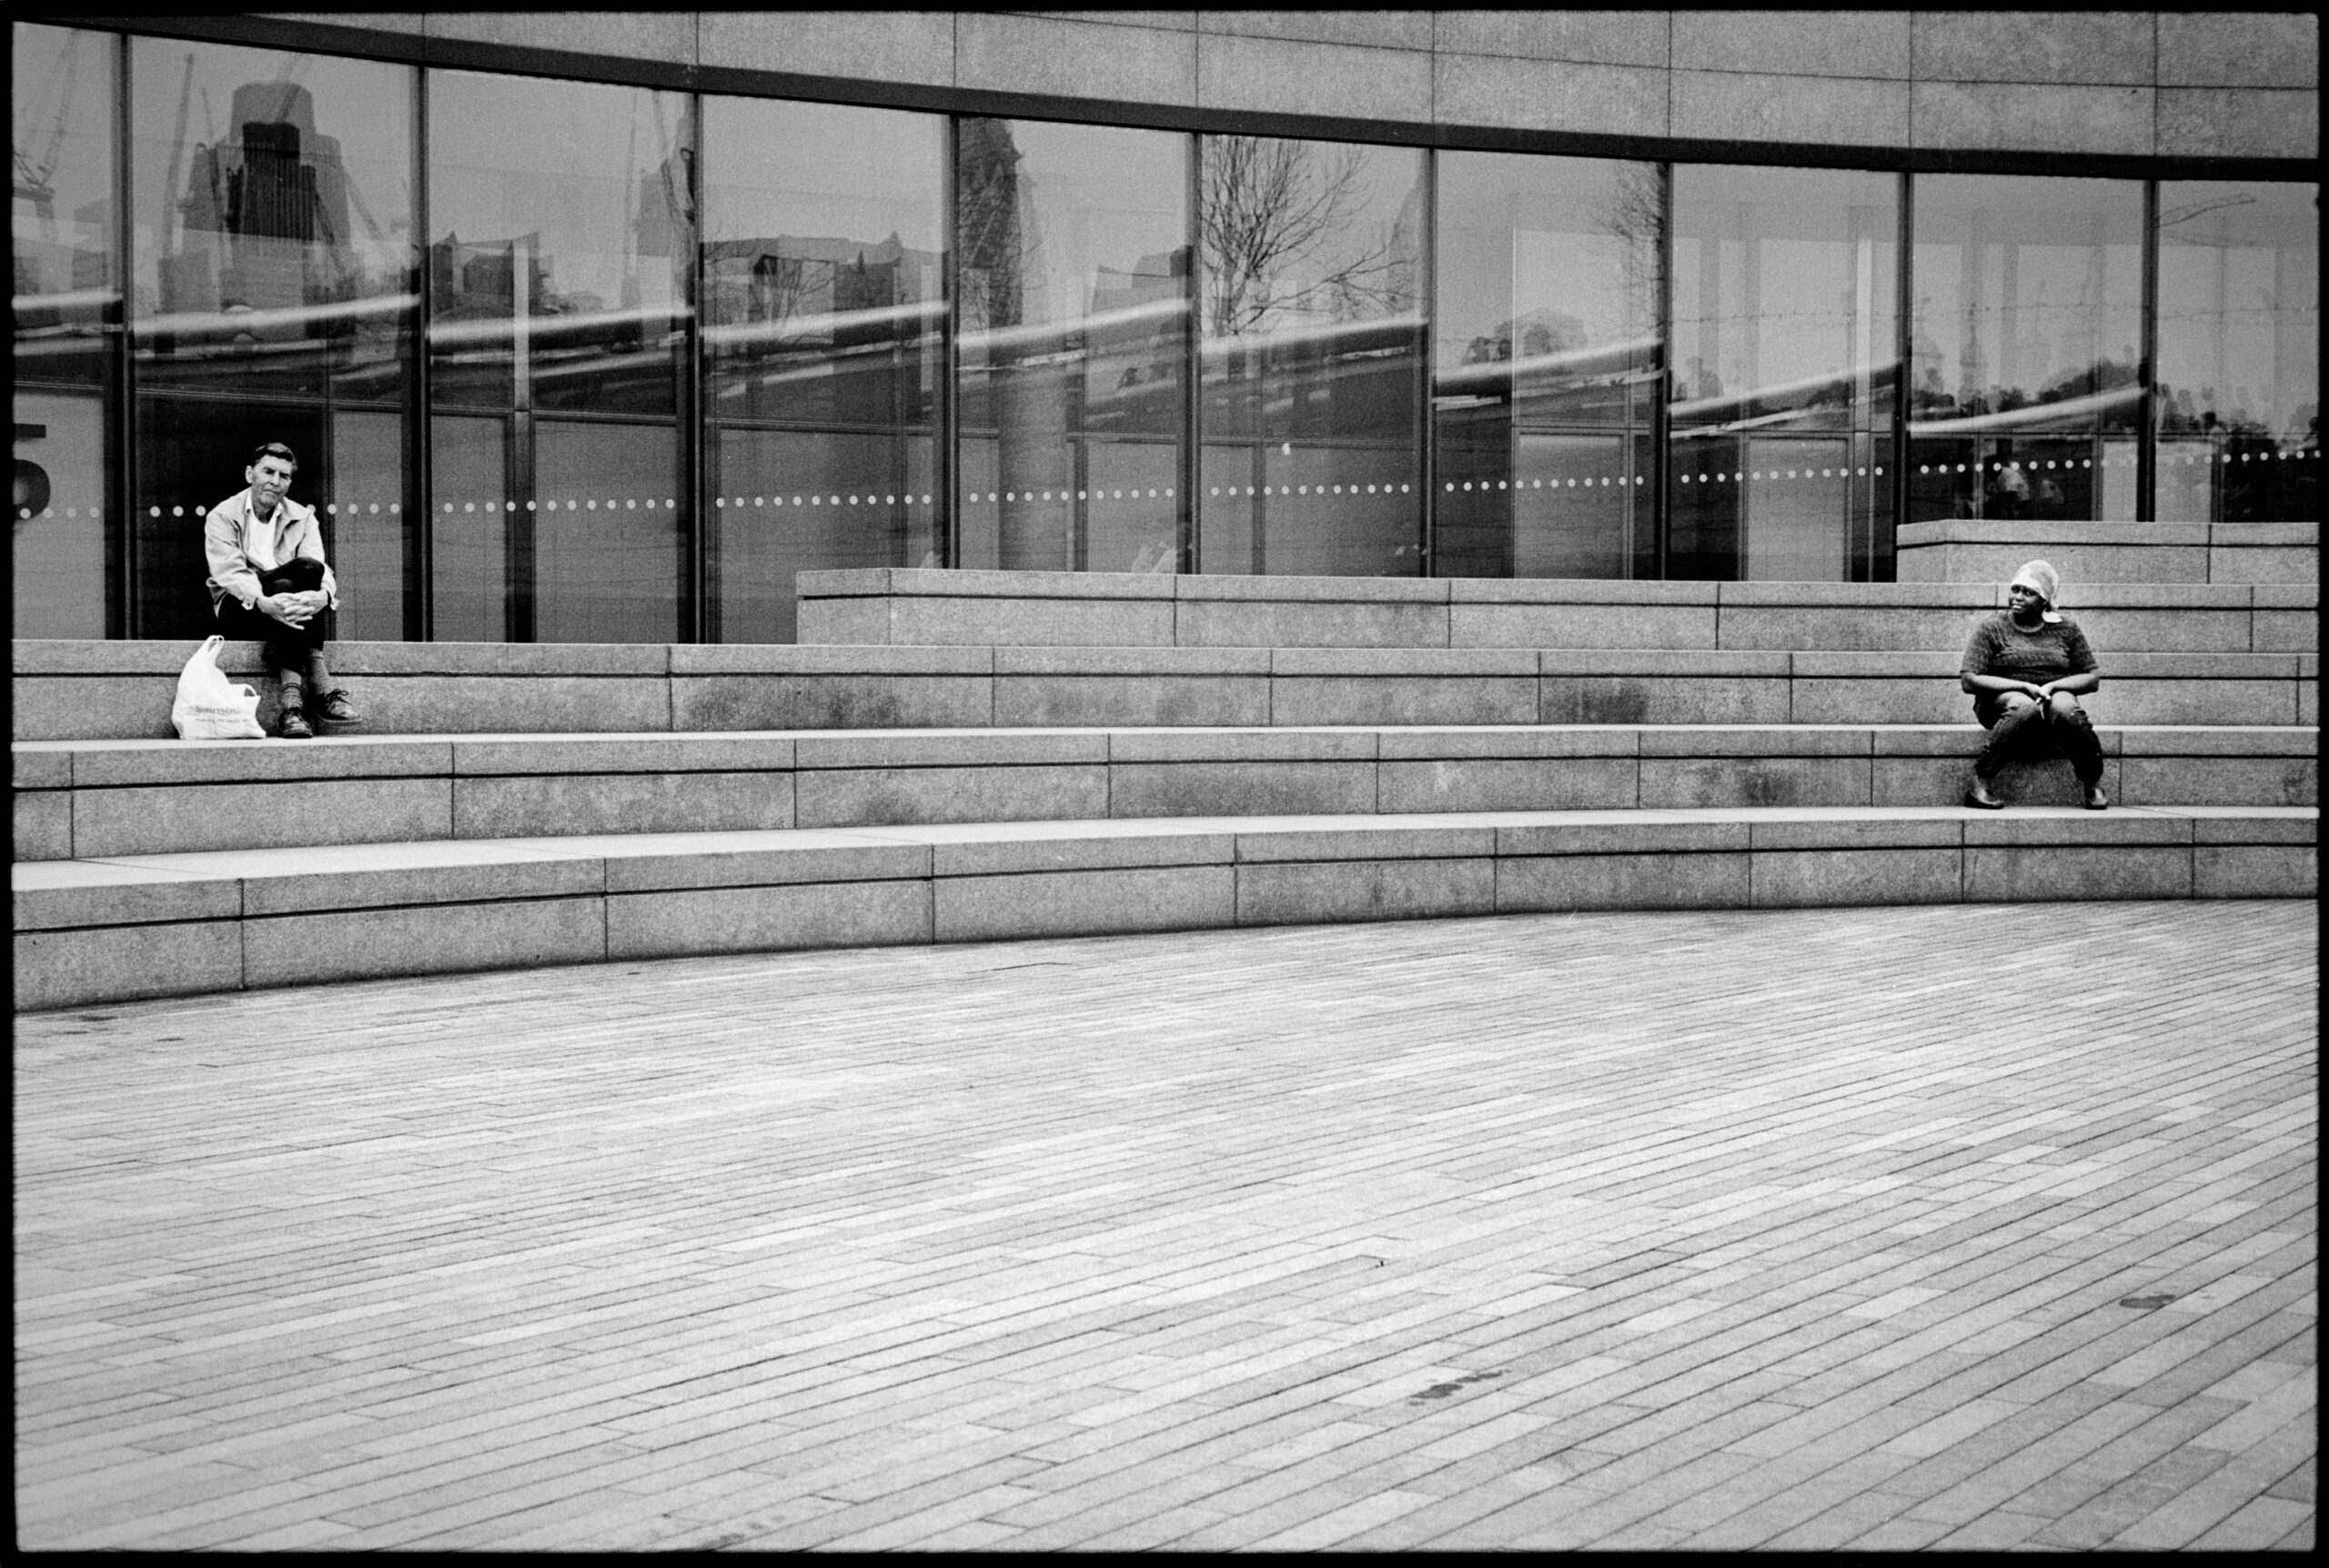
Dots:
(2026, 668)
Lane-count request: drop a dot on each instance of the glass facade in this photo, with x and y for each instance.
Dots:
(1786, 326)
(567, 360)
(561, 253)
(1547, 359)
(2027, 395)
(63, 230)
(1309, 410)
(824, 312)
(1074, 298)
(2238, 404)
(273, 297)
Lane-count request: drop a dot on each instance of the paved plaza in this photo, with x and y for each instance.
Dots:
(1952, 1226)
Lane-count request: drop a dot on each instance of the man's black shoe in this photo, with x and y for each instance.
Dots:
(293, 726)
(2094, 798)
(1980, 798)
(334, 712)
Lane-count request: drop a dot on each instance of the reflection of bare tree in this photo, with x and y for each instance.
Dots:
(1269, 207)
(1632, 209)
(778, 288)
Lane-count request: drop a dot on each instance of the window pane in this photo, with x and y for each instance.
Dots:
(1544, 360)
(1312, 356)
(2025, 360)
(825, 307)
(606, 541)
(2239, 352)
(68, 290)
(1786, 324)
(1074, 321)
(274, 299)
(561, 245)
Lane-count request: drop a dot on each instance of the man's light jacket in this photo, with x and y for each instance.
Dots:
(240, 546)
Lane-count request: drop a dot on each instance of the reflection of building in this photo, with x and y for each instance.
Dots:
(782, 277)
(264, 220)
(478, 279)
(1527, 337)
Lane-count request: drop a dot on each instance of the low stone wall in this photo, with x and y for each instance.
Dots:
(106, 800)
(926, 607)
(92, 932)
(1982, 550)
(91, 691)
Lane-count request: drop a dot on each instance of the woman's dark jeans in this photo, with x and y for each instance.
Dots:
(288, 647)
(2022, 728)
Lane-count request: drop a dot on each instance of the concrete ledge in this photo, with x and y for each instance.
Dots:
(89, 931)
(1200, 588)
(1977, 550)
(115, 798)
(1043, 607)
(854, 688)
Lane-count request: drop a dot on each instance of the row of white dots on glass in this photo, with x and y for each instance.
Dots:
(1302, 490)
(1717, 477)
(1539, 484)
(818, 501)
(2125, 460)
(395, 509)
(553, 506)
(353, 509)
(975, 496)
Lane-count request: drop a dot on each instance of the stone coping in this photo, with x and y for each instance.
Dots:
(228, 885)
(2036, 536)
(96, 658)
(43, 765)
(928, 583)
(167, 925)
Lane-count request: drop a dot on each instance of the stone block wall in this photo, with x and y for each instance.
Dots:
(2133, 83)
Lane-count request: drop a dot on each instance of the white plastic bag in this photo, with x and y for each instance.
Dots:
(209, 706)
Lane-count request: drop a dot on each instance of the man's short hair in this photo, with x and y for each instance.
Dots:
(274, 450)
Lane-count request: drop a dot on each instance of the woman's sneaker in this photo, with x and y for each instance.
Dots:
(334, 712)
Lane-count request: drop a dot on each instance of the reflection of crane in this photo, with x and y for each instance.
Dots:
(32, 175)
(630, 200)
(177, 154)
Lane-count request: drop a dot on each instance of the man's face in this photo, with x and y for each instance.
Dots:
(269, 480)
(2024, 601)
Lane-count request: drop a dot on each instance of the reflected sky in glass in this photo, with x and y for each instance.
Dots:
(1784, 296)
(2029, 303)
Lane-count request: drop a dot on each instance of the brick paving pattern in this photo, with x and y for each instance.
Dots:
(1952, 1227)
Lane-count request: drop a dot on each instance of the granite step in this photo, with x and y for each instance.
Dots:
(94, 931)
(109, 798)
(2273, 614)
(100, 690)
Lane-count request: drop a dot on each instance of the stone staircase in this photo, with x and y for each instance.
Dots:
(1213, 752)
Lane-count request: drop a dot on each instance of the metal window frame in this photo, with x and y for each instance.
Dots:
(1427, 465)
(695, 614)
(1904, 339)
(2147, 410)
(1661, 513)
(1187, 519)
(420, 479)
(121, 617)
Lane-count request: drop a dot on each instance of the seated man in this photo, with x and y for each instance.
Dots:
(2026, 668)
(269, 584)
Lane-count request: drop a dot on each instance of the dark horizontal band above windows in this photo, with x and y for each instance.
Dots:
(330, 38)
